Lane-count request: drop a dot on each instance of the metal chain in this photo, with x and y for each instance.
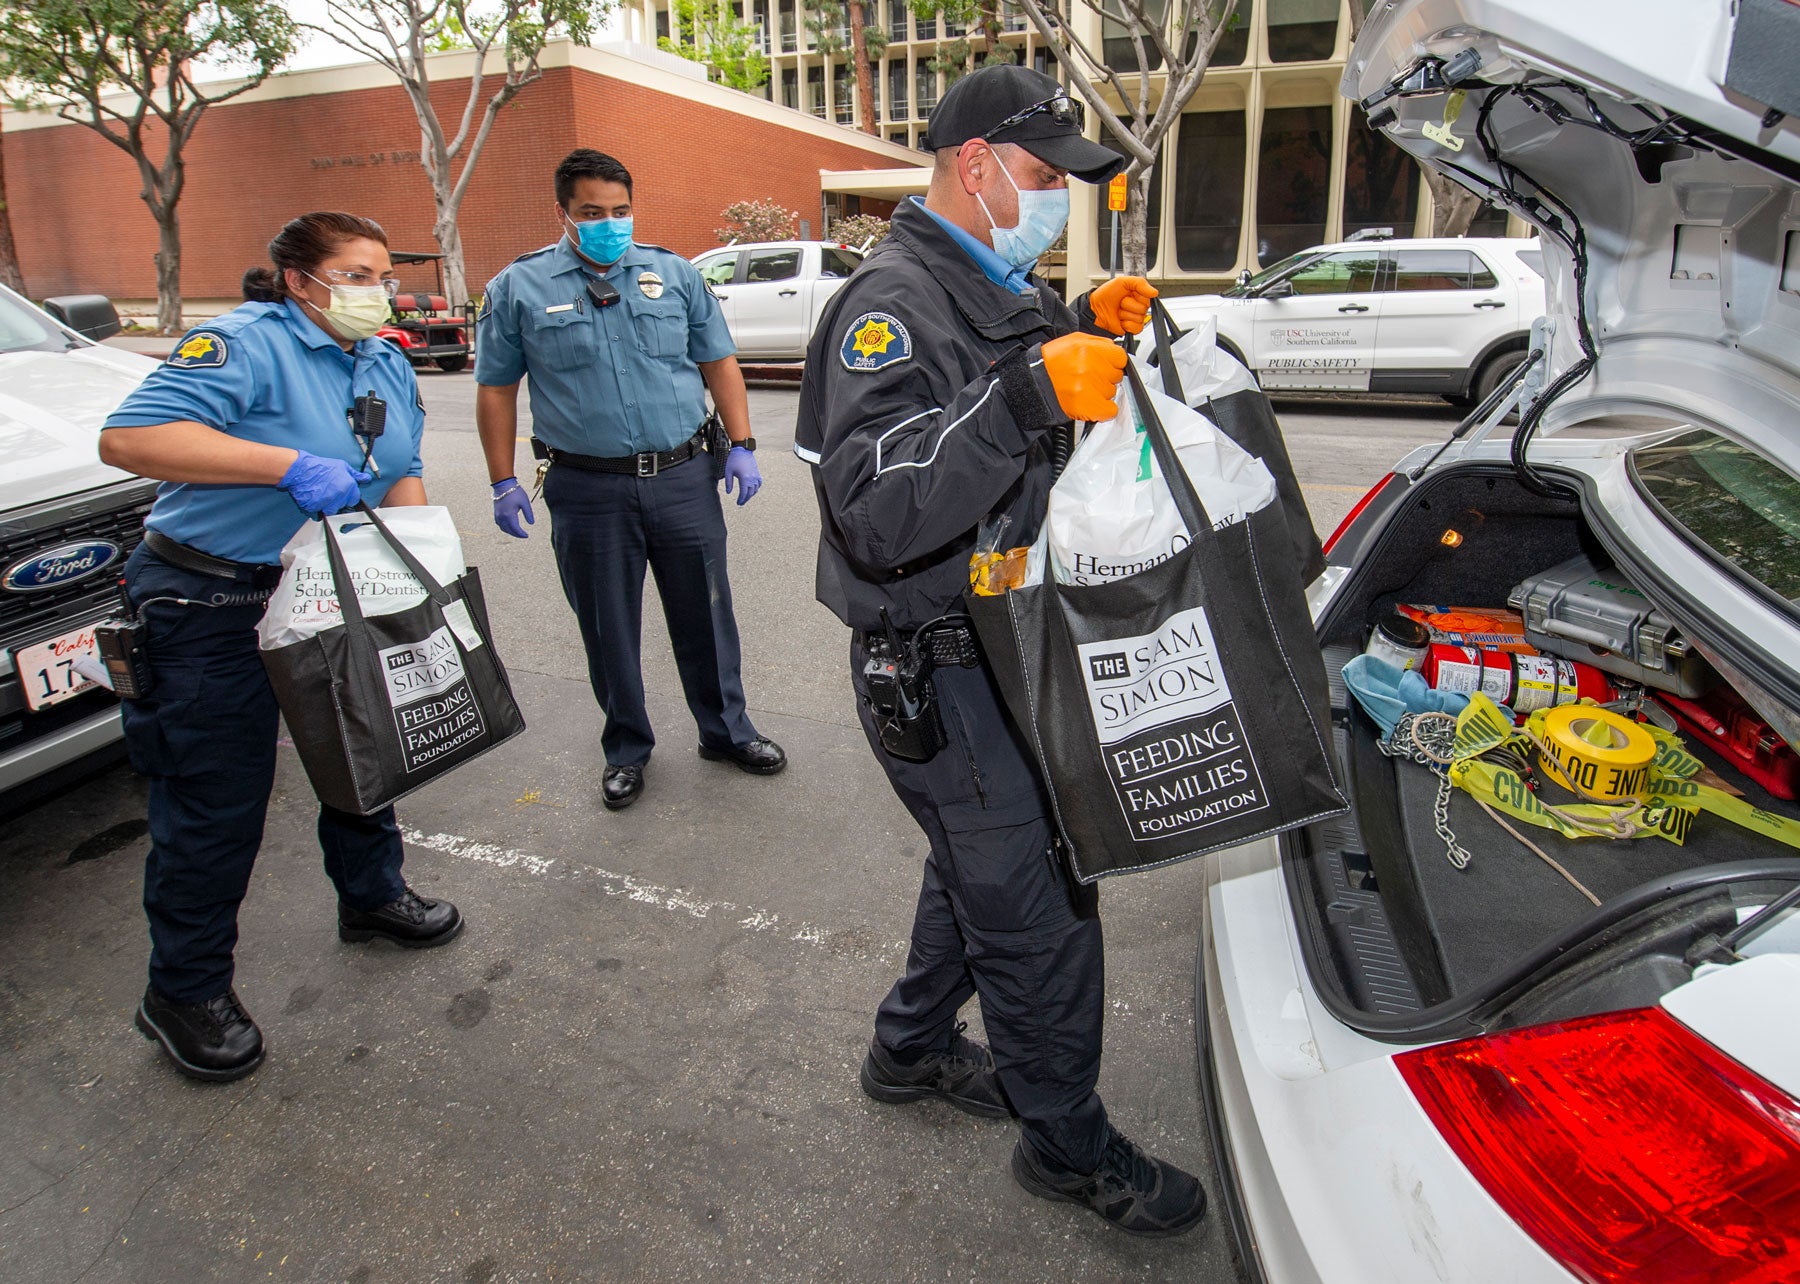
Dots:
(1429, 739)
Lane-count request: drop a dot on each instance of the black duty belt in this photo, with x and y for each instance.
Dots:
(256, 574)
(645, 465)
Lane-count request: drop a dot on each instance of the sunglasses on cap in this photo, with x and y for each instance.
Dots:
(1064, 110)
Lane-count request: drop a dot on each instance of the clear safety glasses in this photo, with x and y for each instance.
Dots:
(359, 280)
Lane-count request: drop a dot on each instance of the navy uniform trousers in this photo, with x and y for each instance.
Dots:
(1000, 916)
(205, 737)
(605, 528)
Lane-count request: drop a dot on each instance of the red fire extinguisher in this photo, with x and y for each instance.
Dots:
(1522, 682)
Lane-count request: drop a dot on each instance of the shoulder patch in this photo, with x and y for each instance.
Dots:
(875, 340)
(201, 349)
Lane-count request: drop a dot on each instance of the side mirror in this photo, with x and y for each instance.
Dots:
(1280, 290)
(90, 314)
(1243, 278)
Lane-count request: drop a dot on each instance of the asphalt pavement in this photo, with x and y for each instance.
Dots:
(639, 1061)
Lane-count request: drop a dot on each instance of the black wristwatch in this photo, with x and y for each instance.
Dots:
(748, 443)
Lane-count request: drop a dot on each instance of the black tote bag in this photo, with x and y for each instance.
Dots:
(387, 703)
(1249, 420)
(1176, 711)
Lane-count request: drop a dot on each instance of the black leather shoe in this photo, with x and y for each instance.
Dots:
(961, 1074)
(761, 757)
(412, 921)
(215, 1040)
(1132, 1190)
(620, 786)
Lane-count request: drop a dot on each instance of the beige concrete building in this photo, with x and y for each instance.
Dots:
(1266, 160)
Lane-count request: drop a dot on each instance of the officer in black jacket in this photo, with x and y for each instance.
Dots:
(934, 385)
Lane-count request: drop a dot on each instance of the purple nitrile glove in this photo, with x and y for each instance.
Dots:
(510, 502)
(740, 466)
(321, 485)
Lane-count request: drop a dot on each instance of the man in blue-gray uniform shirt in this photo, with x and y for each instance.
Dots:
(622, 342)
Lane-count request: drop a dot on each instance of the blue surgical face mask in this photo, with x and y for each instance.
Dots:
(605, 239)
(1042, 217)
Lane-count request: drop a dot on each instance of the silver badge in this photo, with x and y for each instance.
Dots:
(651, 284)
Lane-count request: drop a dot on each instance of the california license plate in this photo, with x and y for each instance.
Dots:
(47, 669)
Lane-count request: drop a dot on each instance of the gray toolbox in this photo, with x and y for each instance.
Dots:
(1579, 612)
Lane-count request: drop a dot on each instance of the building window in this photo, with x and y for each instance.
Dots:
(1040, 61)
(897, 14)
(790, 88)
(1209, 190)
(1293, 180)
(927, 27)
(1152, 222)
(843, 94)
(926, 84)
(1234, 45)
(1490, 220)
(1381, 182)
(815, 90)
(662, 24)
(897, 89)
(897, 137)
(790, 31)
(1117, 47)
(1302, 30)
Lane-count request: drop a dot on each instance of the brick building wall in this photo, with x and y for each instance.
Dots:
(81, 226)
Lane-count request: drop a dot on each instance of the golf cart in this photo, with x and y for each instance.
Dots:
(423, 327)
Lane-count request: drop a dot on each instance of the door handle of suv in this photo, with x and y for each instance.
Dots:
(1490, 303)
(1353, 307)
(786, 294)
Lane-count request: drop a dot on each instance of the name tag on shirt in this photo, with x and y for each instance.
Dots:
(560, 307)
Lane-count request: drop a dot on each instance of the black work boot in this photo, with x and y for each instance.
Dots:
(1132, 1190)
(215, 1040)
(412, 921)
(962, 1074)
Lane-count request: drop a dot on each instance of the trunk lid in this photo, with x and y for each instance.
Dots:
(1625, 131)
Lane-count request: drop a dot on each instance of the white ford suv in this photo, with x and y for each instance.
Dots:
(1446, 316)
(67, 524)
(1433, 1051)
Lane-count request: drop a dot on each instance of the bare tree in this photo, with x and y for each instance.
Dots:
(10, 275)
(125, 69)
(401, 35)
(1453, 206)
(1173, 51)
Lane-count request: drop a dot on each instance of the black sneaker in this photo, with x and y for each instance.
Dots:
(962, 1074)
(1134, 1191)
(215, 1040)
(412, 921)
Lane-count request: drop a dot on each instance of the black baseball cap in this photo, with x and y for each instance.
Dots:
(1011, 104)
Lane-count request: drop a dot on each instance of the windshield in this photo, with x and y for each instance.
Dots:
(25, 329)
(1269, 274)
(1742, 507)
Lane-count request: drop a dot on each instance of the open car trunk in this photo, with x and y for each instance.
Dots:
(1408, 946)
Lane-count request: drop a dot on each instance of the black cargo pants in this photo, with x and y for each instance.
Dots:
(1000, 916)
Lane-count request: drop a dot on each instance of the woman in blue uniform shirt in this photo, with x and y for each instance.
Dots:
(247, 426)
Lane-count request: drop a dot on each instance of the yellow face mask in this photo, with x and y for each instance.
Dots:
(356, 311)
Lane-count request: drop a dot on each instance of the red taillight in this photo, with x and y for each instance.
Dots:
(1625, 1145)
(1351, 516)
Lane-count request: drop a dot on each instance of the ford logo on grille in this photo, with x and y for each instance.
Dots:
(60, 566)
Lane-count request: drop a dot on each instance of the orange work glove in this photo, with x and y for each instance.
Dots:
(1122, 305)
(1085, 370)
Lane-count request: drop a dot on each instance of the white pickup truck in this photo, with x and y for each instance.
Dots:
(772, 292)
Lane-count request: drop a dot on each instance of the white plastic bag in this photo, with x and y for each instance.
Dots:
(1206, 370)
(305, 602)
(1111, 515)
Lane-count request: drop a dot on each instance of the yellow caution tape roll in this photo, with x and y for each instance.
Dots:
(1597, 754)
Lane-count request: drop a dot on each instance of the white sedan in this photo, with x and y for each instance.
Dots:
(1498, 1069)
